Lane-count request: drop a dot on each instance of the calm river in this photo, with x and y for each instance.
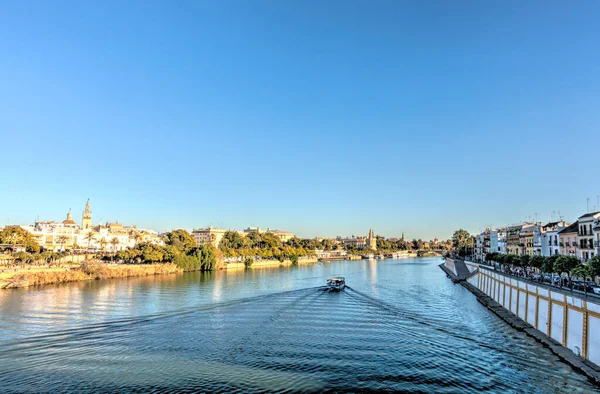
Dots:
(401, 326)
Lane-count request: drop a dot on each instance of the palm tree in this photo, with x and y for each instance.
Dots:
(103, 243)
(137, 237)
(115, 242)
(13, 239)
(89, 237)
(62, 240)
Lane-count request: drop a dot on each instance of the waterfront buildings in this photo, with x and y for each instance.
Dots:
(58, 236)
(580, 239)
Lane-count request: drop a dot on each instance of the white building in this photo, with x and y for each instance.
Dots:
(498, 241)
(587, 246)
(550, 238)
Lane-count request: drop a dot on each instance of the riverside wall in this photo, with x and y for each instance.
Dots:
(569, 319)
(270, 263)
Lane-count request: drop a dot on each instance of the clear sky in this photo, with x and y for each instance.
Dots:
(323, 118)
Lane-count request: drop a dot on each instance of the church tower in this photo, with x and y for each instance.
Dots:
(86, 218)
(372, 241)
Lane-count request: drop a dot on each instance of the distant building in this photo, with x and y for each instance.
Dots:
(531, 240)
(208, 235)
(283, 235)
(567, 240)
(513, 239)
(353, 241)
(550, 241)
(587, 223)
(255, 230)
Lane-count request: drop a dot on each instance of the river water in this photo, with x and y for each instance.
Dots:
(401, 326)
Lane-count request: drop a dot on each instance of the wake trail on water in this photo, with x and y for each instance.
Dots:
(116, 325)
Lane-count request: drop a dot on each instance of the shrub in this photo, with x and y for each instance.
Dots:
(248, 262)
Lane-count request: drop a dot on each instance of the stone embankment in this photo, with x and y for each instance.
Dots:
(455, 270)
(270, 263)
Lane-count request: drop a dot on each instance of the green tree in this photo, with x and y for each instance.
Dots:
(525, 260)
(594, 266)
(566, 264)
(14, 235)
(461, 240)
(89, 237)
(62, 240)
(548, 265)
(115, 244)
(199, 258)
(180, 239)
(537, 261)
(103, 243)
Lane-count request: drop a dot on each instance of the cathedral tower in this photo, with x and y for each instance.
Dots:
(372, 241)
(86, 218)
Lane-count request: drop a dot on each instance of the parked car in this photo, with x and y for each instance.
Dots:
(595, 287)
(582, 286)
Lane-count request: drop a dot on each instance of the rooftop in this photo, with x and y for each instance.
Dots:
(573, 228)
(589, 215)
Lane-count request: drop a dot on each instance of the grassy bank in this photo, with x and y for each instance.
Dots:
(87, 271)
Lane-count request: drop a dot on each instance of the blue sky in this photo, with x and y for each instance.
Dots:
(322, 119)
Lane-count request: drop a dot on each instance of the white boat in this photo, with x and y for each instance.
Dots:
(336, 283)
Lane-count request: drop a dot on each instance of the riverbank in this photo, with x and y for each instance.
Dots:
(33, 276)
(586, 367)
(270, 263)
(92, 271)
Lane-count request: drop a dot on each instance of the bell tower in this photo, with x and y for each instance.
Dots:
(372, 240)
(86, 218)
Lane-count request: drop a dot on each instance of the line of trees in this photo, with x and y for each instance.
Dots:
(569, 265)
(267, 246)
(180, 248)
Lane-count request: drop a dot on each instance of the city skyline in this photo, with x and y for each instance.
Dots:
(324, 119)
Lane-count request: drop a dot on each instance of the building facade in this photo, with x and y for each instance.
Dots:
(567, 240)
(587, 244)
(208, 235)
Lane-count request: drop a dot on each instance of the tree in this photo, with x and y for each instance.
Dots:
(200, 258)
(461, 239)
(594, 266)
(89, 237)
(537, 261)
(103, 243)
(115, 243)
(181, 239)
(525, 259)
(548, 265)
(14, 235)
(62, 240)
(581, 271)
(566, 264)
